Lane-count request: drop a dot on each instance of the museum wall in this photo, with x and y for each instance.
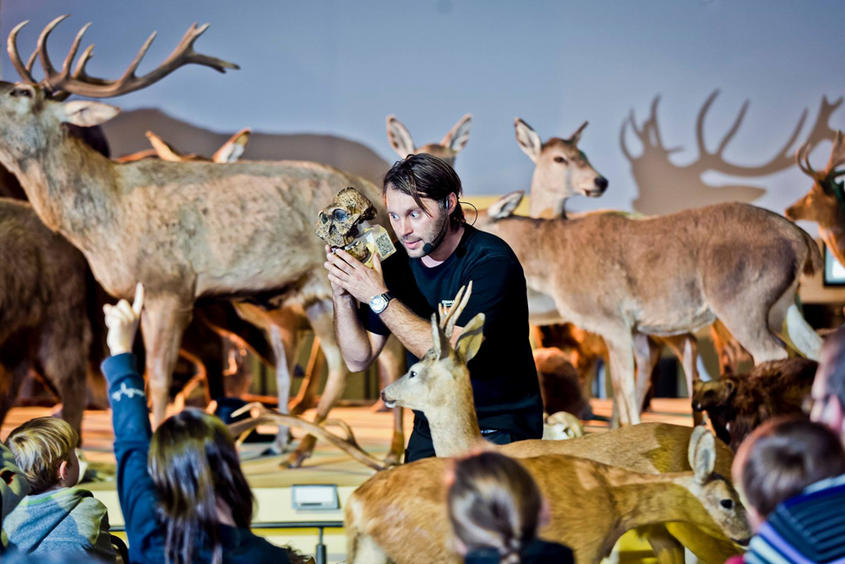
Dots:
(318, 78)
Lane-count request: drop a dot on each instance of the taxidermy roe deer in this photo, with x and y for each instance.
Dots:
(619, 277)
(183, 229)
(440, 387)
(399, 514)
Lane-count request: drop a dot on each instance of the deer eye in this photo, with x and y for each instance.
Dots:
(412, 374)
(727, 503)
(26, 92)
(559, 159)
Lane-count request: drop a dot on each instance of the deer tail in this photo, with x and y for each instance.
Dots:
(814, 260)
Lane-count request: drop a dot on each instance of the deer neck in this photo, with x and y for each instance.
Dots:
(71, 188)
(644, 499)
(545, 203)
(454, 424)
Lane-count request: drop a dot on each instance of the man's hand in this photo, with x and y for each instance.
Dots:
(122, 322)
(350, 275)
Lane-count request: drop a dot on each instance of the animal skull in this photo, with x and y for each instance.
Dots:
(343, 224)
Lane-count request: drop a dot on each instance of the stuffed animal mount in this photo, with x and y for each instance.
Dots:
(344, 224)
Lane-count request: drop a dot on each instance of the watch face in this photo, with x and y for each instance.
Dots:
(378, 303)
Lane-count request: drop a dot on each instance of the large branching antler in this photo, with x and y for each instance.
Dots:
(262, 415)
(79, 82)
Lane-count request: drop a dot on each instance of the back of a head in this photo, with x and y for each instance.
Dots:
(494, 502)
(782, 457)
(40, 446)
(425, 176)
(195, 468)
(832, 364)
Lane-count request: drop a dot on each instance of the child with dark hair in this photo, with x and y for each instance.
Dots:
(792, 474)
(182, 491)
(56, 518)
(496, 509)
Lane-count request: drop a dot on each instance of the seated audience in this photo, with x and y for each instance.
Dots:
(56, 518)
(496, 509)
(792, 473)
(827, 401)
(183, 494)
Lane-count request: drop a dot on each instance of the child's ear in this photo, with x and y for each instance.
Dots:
(63, 472)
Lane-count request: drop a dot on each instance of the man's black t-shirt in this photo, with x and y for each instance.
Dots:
(503, 375)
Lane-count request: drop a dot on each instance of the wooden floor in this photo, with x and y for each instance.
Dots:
(272, 483)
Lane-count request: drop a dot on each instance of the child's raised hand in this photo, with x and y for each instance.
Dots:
(122, 322)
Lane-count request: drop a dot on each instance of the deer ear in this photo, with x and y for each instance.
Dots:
(470, 340)
(441, 346)
(86, 113)
(233, 148)
(575, 137)
(702, 453)
(505, 206)
(458, 136)
(399, 137)
(528, 139)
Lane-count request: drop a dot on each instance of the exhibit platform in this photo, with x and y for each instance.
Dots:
(273, 486)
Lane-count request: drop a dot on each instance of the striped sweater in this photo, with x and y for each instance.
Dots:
(809, 527)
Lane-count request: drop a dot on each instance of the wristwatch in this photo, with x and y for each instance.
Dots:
(379, 302)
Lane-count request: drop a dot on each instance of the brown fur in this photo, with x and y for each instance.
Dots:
(738, 403)
(665, 275)
(43, 310)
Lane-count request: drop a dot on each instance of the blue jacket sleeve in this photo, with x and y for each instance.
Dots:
(132, 433)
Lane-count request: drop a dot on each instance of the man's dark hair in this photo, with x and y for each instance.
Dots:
(426, 176)
(835, 359)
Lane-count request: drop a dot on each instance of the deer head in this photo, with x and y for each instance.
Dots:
(448, 148)
(562, 170)
(441, 377)
(821, 204)
(713, 491)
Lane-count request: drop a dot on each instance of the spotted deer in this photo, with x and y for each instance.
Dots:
(398, 515)
(825, 202)
(184, 229)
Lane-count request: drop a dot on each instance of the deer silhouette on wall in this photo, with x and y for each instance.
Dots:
(665, 187)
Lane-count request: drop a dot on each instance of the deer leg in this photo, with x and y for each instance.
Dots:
(646, 354)
(621, 360)
(162, 321)
(283, 383)
(666, 548)
(307, 396)
(685, 347)
(12, 375)
(391, 364)
(321, 315)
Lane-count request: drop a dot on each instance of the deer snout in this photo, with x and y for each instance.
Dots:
(600, 183)
(387, 401)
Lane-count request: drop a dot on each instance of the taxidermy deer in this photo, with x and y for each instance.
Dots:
(452, 143)
(399, 514)
(183, 229)
(284, 325)
(825, 202)
(667, 275)
(44, 323)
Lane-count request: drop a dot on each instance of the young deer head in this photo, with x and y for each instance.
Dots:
(562, 170)
(448, 148)
(441, 378)
(825, 202)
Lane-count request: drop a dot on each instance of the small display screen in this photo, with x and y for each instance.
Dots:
(834, 272)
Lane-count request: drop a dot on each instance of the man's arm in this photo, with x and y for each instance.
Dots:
(358, 346)
(351, 279)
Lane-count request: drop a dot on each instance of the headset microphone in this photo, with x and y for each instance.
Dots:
(428, 248)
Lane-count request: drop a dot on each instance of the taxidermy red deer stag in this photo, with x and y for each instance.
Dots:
(184, 230)
(381, 511)
(667, 275)
(825, 202)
